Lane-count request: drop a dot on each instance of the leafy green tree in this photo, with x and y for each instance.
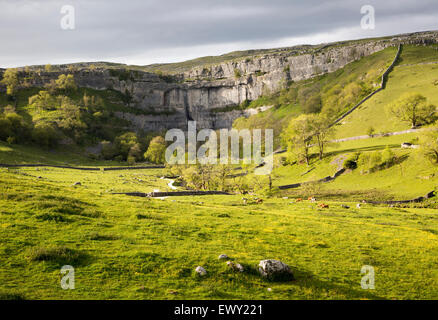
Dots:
(413, 108)
(429, 145)
(156, 151)
(70, 119)
(321, 131)
(66, 83)
(10, 80)
(298, 136)
(43, 101)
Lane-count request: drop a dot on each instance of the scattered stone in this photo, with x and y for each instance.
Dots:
(358, 205)
(275, 270)
(77, 184)
(223, 256)
(269, 289)
(285, 198)
(345, 206)
(201, 271)
(39, 177)
(235, 266)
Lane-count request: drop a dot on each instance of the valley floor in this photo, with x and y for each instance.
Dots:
(138, 248)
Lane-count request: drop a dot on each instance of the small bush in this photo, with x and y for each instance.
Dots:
(351, 161)
(350, 164)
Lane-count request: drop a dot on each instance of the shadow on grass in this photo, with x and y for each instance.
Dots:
(361, 149)
(59, 256)
(308, 280)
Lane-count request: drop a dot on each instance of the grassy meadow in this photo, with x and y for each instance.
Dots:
(138, 248)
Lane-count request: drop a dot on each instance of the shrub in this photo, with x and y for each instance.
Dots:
(237, 73)
(351, 161)
(371, 131)
(350, 164)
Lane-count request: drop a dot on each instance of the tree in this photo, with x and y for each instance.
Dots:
(124, 143)
(10, 80)
(156, 150)
(43, 101)
(298, 136)
(321, 132)
(429, 145)
(70, 119)
(413, 108)
(66, 83)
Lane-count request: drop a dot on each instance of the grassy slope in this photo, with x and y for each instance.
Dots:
(412, 177)
(121, 255)
(404, 78)
(19, 154)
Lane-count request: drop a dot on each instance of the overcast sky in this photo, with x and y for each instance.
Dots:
(153, 31)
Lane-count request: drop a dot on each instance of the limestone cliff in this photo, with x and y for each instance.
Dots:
(198, 93)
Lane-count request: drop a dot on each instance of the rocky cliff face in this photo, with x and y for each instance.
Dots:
(197, 94)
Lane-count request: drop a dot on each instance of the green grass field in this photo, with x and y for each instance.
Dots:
(135, 248)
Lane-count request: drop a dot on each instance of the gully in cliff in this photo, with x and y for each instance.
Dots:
(207, 153)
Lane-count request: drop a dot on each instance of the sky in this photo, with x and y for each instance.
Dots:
(143, 32)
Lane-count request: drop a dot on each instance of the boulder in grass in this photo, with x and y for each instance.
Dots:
(275, 270)
(201, 271)
(223, 256)
(77, 184)
(235, 266)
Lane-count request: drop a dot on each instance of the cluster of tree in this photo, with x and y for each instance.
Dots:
(221, 177)
(133, 148)
(413, 108)
(369, 162)
(304, 133)
(126, 147)
(342, 97)
(14, 129)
